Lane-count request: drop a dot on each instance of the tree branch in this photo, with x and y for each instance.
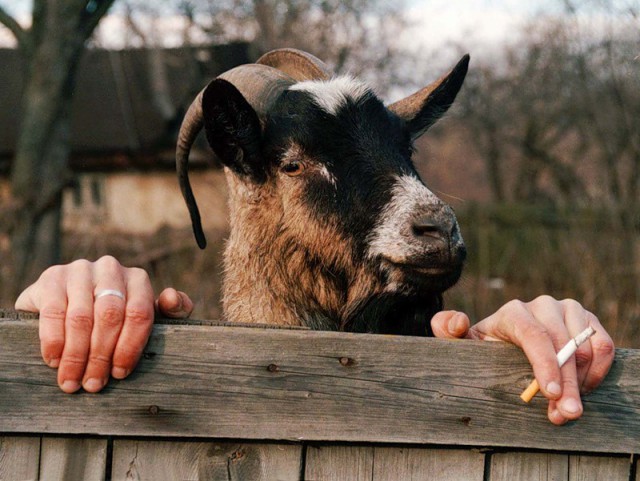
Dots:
(21, 35)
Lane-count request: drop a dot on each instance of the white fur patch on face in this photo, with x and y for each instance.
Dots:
(389, 238)
(332, 94)
(328, 175)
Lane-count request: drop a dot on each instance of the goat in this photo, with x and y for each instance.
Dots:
(330, 225)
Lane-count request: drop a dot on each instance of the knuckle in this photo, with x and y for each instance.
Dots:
(603, 348)
(81, 264)
(514, 307)
(109, 263)
(53, 313)
(543, 299)
(139, 317)
(100, 359)
(74, 360)
(112, 316)
(54, 272)
(80, 321)
(138, 274)
(572, 304)
(583, 358)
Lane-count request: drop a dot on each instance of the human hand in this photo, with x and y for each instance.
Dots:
(89, 337)
(541, 328)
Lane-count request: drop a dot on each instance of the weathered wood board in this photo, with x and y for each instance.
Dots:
(63, 459)
(246, 383)
(206, 461)
(369, 463)
(19, 457)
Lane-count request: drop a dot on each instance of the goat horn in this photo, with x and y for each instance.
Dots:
(299, 65)
(260, 85)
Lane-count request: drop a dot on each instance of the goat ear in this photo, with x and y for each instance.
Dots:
(233, 129)
(422, 109)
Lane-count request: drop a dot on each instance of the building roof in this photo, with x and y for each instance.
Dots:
(127, 105)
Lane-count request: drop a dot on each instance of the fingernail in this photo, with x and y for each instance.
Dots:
(554, 388)
(93, 384)
(119, 372)
(571, 406)
(70, 386)
(53, 362)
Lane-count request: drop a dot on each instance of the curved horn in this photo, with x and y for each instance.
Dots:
(296, 63)
(260, 85)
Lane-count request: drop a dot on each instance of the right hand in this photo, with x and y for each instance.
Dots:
(89, 339)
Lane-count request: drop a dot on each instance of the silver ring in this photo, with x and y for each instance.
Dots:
(109, 292)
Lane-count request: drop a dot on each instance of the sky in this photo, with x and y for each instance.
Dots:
(471, 24)
(454, 20)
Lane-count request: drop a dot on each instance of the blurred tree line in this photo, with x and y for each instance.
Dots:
(558, 122)
(553, 114)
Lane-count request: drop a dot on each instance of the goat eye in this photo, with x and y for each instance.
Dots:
(293, 168)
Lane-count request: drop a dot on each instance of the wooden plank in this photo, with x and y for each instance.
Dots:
(524, 466)
(73, 458)
(165, 460)
(346, 463)
(412, 464)
(19, 458)
(598, 468)
(244, 383)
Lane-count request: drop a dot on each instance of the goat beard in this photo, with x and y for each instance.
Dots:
(396, 314)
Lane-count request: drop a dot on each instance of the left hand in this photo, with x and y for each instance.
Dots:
(541, 328)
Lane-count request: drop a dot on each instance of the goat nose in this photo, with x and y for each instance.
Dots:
(428, 227)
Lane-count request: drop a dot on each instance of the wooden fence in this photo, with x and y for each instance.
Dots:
(211, 402)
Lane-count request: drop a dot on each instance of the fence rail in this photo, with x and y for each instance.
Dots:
(228, 402)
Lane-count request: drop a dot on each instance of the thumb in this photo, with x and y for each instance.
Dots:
(26, 301)
(174, 304)
(450, 325)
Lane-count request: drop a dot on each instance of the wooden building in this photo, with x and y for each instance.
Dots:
(126, 112)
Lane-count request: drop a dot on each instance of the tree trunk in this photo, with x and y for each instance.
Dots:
(40, 170)
(52, 47)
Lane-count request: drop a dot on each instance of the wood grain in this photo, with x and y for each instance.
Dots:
(168, 461)
(412, 464)
(346, 463)
(245, 383)
(523, 466)
(63, 459)
(599, 468)
(19, 458)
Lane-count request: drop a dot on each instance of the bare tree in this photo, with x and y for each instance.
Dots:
(51, 48)
(555, 121)
(355, 36)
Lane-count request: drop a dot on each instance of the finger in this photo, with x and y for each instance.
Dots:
(450, 324)
(603, 353)
(576, 321)
(52, 308)
(138, 323)
(514, 323)
(563, 321)
(570, 405)
(174, 304)
(77, 327)
(109, 312)
(554, 414)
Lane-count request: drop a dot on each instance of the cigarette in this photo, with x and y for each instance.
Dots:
(563, 356)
